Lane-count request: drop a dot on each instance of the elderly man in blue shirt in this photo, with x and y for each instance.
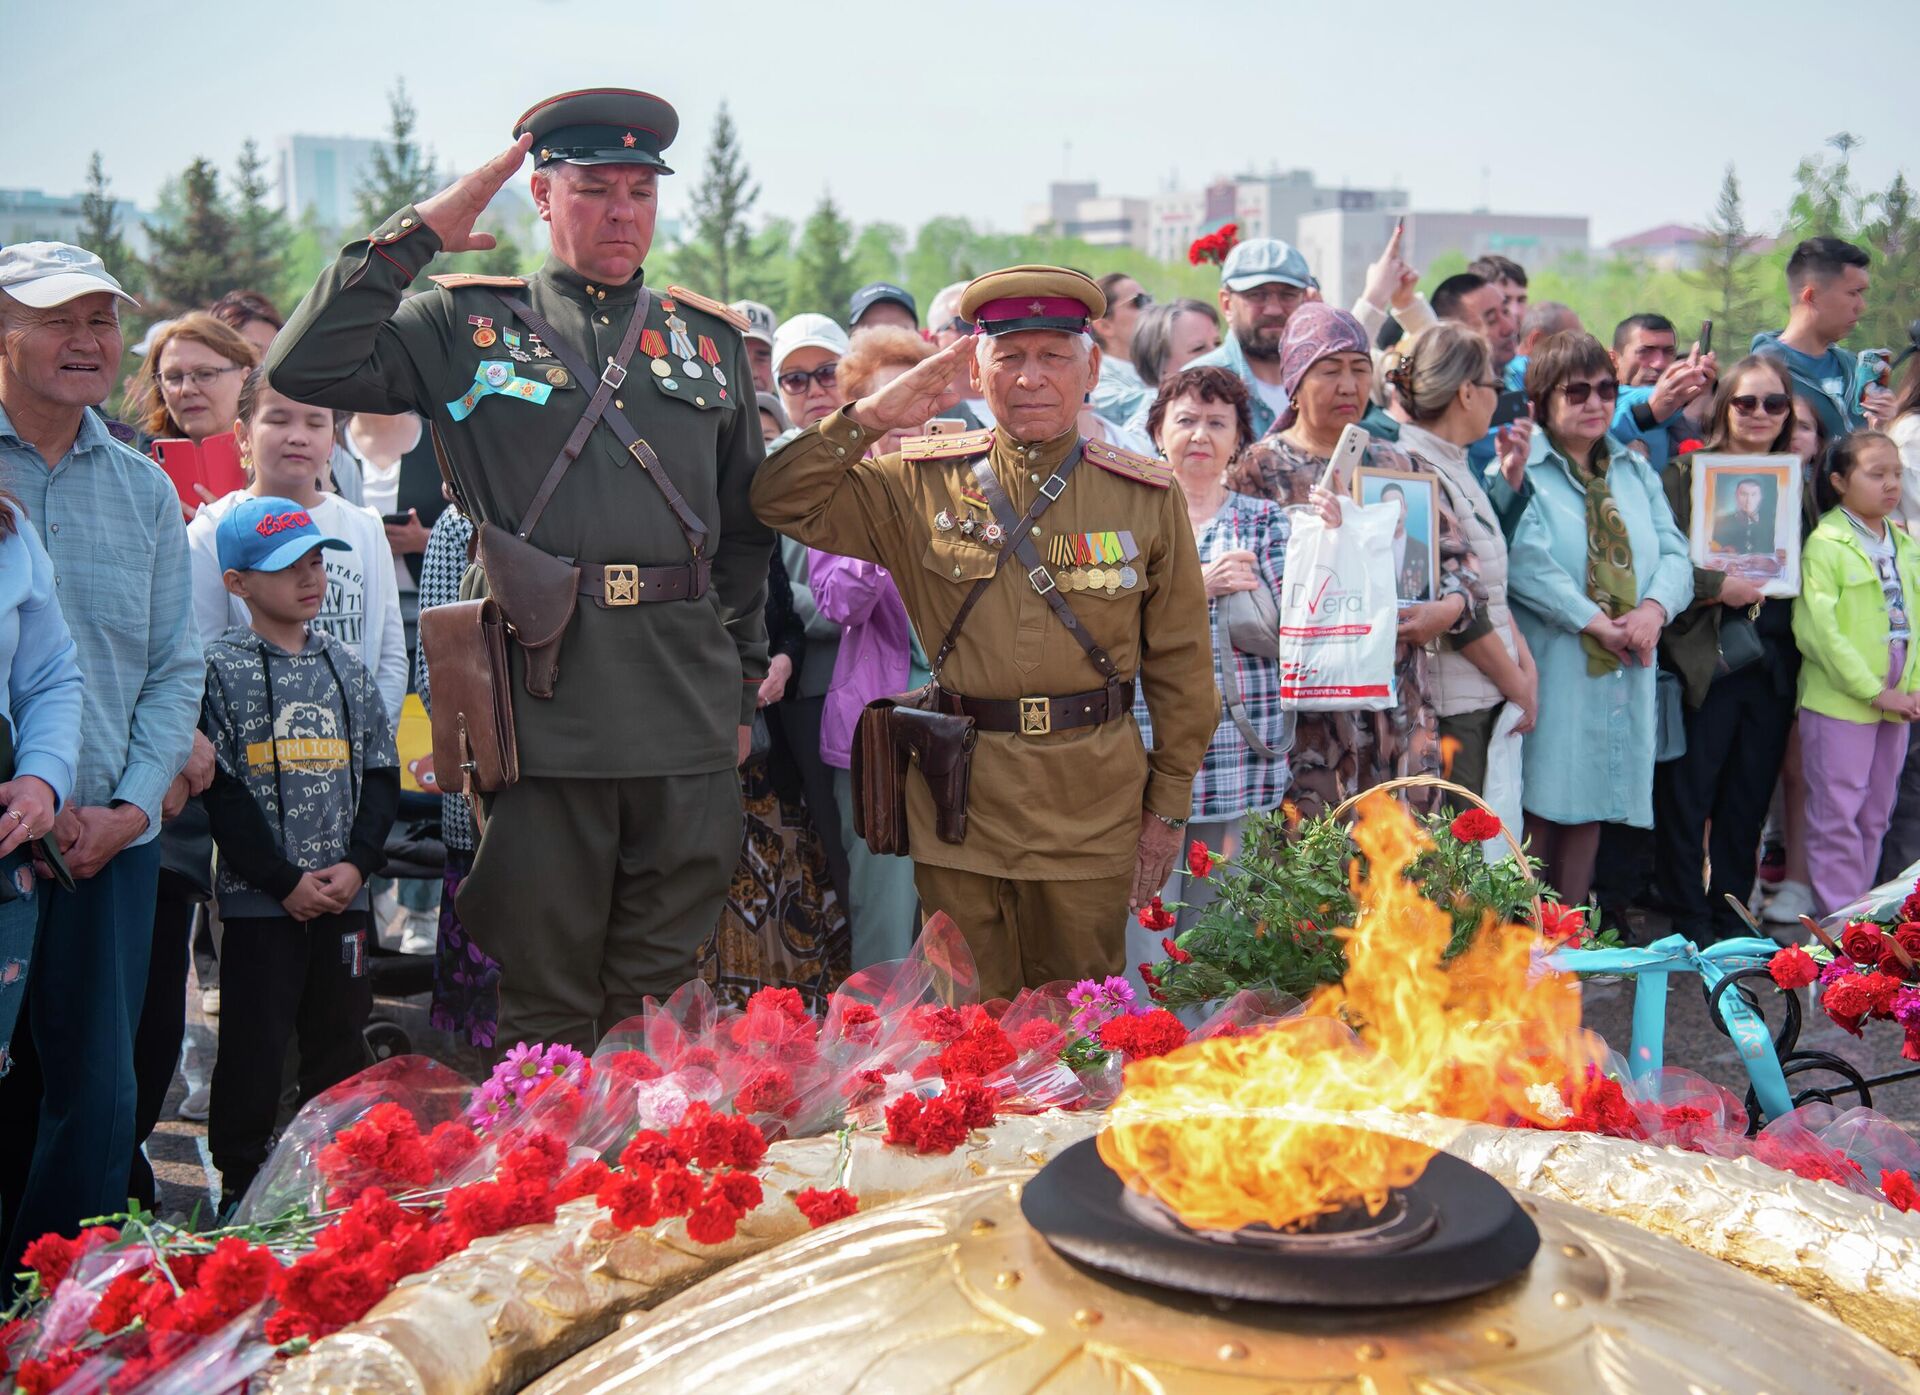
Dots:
(111, 524)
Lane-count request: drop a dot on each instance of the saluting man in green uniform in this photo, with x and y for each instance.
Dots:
(602, 870)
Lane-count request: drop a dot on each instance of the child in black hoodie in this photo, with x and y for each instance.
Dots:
(305, 788)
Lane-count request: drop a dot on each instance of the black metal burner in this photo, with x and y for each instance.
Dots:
(1454, 1232)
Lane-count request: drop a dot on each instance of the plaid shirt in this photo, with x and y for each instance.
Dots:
(111, 525)
(440, 572)
(1233, 779)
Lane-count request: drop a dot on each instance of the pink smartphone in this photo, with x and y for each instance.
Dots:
(945, 426)
(180, 458)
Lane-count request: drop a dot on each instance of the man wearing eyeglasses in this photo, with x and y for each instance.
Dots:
(1119, 394)
(602, 432)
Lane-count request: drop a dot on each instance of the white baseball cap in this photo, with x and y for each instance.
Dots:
(807, 332)
(45, 274)
(759, 320)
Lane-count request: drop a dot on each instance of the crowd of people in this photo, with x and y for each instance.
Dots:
(205, 688)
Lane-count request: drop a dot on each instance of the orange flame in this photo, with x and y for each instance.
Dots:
(1257, 1129)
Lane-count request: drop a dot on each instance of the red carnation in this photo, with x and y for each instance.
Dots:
(585, 1179)
(1882, 991)
(628, 1196)
(1563, 924)
(1690, 445)
(650, 1148)
(1174, 952)
(1199, 860)
(1144, 1034)
(634, 1067)
(786, 1001)
(768, 1091)
(52, 1256)
(1901, 1193)
(677, 1190)
(937, 1024)
(1862, 943)
(383, 1150)
(1847, 1002)
(714, 1221)
(979, 1053)
(450, 1145)
(1604, 1109)
(1156, 917)
(1793, 967)
(1040, 1035)
(822, 1208)
(1475, 826)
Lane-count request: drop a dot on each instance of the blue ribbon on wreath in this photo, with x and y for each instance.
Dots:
(1651, 967)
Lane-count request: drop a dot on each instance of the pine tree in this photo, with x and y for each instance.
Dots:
(261, 236)
(402, 171)
(1727, 271)
(717, 256)
(1893, 237)
(1825, 203)
(100, 227)
(823, 274)
(192, 261)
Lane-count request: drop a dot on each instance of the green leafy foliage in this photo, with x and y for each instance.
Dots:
(1281, 902)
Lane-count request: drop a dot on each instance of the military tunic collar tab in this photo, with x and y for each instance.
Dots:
(1034, 454)
(582, 288)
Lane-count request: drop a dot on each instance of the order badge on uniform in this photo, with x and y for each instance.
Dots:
(496, 376)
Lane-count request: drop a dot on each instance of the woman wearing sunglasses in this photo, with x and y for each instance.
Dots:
(1596, 567)
(1735, 653)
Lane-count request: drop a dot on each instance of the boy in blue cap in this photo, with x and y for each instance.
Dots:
(305, 788)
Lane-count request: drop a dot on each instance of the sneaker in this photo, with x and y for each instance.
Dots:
(210, 1001)
(194, 1107)
(1791, 901)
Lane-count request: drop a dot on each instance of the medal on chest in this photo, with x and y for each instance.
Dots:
(496, 377)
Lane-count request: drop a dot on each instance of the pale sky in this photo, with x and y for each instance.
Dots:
(1626, 112)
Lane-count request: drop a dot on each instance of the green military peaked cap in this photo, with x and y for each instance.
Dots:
(601, 126)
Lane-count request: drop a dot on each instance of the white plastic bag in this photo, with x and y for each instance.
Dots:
(1339, 611)
(1502, 787)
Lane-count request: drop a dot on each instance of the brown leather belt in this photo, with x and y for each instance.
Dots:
(1039, 716)
(620, 584)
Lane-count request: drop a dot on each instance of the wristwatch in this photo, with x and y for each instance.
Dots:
(1170, 823)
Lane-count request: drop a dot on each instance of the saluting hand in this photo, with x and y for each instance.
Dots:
(450, 213)
(910, 399)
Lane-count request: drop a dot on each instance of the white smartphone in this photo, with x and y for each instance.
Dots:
(1348, 454)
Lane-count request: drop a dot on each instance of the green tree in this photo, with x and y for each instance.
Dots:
(877, 252)
(768, 274)
(402, 171)
(716, 257)
(261, 236)
(504, 258)
(823, 277)
(1728, 269)
(1893, 237)
(1825, 202)
(191, 264)
(100, 227)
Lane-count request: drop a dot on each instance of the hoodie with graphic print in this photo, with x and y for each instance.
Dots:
(305, 771)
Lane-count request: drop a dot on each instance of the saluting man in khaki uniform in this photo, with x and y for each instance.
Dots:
(1071, 820)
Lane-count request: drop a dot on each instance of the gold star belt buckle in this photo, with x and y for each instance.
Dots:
(621, 581)
(1036, 716)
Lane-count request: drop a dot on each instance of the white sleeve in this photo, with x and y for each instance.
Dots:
(388, 662)
(214, 609)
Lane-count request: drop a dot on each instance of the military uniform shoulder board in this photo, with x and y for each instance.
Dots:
(1141, 469)
(459, 280)
(947, 447)
(710, 305)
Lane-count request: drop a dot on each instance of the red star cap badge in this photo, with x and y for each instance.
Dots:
(627, 140)
(1037, 307)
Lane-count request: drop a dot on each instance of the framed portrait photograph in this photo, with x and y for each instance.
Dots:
(1416, 542)
(1745, 519)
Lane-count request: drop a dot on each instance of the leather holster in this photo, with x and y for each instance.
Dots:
(892, 734)
(474, 749)
(537, 593)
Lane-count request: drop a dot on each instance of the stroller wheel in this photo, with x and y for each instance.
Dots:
(385, 1039)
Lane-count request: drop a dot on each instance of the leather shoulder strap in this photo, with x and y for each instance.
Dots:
(1037, 574)
(599, 409)
(1054, 486)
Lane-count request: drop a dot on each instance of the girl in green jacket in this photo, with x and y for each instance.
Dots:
(1859, 579)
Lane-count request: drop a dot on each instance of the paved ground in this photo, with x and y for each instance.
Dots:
(178, 1148)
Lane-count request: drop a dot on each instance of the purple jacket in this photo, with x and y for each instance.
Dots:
(876, 644)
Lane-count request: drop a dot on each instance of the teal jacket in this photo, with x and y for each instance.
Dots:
(1840, 622)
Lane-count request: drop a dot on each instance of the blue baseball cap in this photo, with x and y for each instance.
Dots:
(1263, 261)
(268, 534)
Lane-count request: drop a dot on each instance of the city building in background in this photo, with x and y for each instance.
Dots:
(31, 215)
(1340, 243)
(322, 175)
(1077, 209)
(1264, 205)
